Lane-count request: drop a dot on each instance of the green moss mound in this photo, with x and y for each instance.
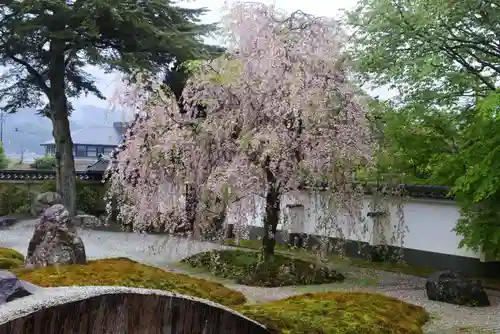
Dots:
(252, 244)
(9, 253)
(337, 312)
(245, 268)
(125, 272)
(10, 258)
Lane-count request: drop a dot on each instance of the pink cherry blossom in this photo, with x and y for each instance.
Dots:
(281, 112)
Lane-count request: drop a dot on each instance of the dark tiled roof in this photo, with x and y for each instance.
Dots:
(100, 165)
(412, 190)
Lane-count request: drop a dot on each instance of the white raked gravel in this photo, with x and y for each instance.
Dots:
(49, 297)
(163, 251)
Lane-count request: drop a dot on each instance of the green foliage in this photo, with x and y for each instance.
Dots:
(417, 145)
(442, 128)
(46, 45)
(45, 162)
(18, 198)
(434, 53)
(339, 313)
(89, 197)
(478, 188)
(431, 146)
(125, 272)
(246, 268)
(112, 34)
(15, 199)
(4, 161)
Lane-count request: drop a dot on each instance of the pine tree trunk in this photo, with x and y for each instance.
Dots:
(65, 164)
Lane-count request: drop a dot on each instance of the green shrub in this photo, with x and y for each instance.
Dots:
(338, 313)
(14, 198)
(4, 161)
(45, 162)
(246, 268)
(89, 197)
(125, 272)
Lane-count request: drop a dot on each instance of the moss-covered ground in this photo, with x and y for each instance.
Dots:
(316, 313)
(338, 313)
(10, 258)
(125, 272)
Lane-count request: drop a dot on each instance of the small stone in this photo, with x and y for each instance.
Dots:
(44, 201)
(454, 288)
(7, 221)
(12, 288)
(55, 240)
(87, 221)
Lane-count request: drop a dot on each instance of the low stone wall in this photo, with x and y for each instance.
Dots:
(130, 313)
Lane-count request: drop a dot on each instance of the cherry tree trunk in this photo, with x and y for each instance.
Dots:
(271, 219)
(191, 206)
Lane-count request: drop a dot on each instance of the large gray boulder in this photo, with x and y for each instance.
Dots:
(55, 240)
(44, 201)
(455, 288)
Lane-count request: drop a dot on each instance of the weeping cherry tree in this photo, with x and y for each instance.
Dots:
(279, 113)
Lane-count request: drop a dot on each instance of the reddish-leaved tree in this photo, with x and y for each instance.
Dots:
(279, 112)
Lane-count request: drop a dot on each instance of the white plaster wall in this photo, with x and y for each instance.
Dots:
(428, 222)
(318, 219)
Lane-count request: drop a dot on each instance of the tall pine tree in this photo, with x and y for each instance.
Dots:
(45, 45)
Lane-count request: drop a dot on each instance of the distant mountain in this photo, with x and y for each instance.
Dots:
(34, 129)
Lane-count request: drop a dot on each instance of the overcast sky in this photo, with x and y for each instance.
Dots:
(330, 8)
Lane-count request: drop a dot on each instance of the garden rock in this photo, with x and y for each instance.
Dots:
(454, 288)
(55, 240)
(44, 201)
(87, 221)
(7, 221)
(12, 288)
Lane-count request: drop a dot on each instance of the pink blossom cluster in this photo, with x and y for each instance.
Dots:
(279, 101)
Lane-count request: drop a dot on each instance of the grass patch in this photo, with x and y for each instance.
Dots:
(10, 258)
(125, 272)
(338, 312)
(245, 268)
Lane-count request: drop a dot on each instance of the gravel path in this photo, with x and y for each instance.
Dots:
(165, 252)
(158, 250)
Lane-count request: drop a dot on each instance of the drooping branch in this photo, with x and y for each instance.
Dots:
(269, 121)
